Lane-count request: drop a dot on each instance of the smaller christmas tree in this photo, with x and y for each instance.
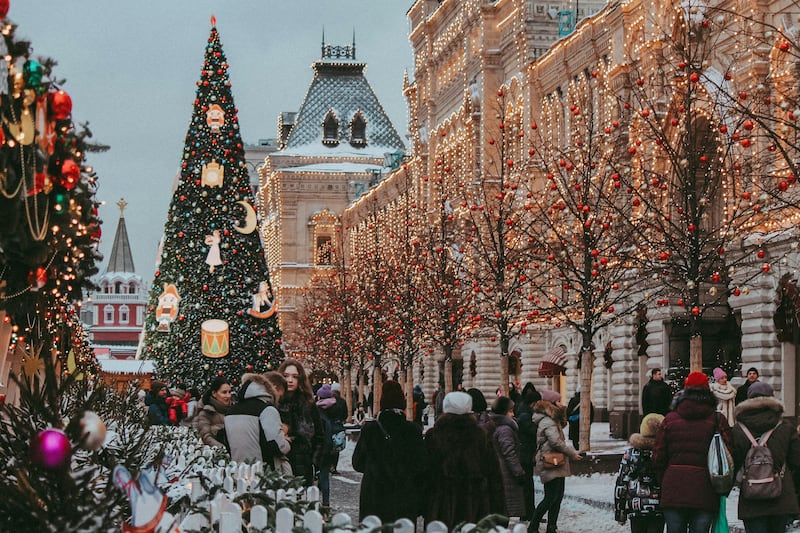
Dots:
(211, 309)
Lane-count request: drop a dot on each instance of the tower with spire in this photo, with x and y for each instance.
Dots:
(338, 144)
(117, 309)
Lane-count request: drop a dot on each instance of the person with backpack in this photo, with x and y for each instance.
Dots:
(766, 448)
(688, 499)
(637, 493)
(391, 455)
(333, 438)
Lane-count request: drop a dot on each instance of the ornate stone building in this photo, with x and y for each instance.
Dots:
(338, 144)
(468, 52)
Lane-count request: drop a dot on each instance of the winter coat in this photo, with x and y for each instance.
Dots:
(209, 420)
(759, 415)
(158, 412)
(253, 426)
(741, 391)
(550, 420)
(726, 399)
(574, 416)
(656, 397)
(681, 451)
(506, 444)
(306, 433)
(637, 493)
(527, 436)
(463, 476)
(331, 424)
(393, 468)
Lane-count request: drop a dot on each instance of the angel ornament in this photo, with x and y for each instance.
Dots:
(264, 305)
(213, 259)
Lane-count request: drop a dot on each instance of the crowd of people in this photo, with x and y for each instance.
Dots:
(664, 476)
(479, 459)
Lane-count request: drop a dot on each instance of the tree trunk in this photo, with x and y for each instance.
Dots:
(347, 388)
(696, 353)
(377, 384)
(409, 391)
(587, 363)
(360, 385)
(504, 374)
(448, 375)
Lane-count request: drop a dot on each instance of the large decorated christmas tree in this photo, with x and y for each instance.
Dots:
(211, 309)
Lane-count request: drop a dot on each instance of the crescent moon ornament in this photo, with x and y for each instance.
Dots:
(250, 222)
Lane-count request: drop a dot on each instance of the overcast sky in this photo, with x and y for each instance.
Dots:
(131, 68)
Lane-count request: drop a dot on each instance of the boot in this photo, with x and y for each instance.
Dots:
(551, 528)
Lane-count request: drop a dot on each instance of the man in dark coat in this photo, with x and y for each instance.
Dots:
(741, 392)
(463, 475)
(338, 413)
(681, 456)
(527, 442)
(574, 417)
(760, 413)
(656, 395)
(391, 454)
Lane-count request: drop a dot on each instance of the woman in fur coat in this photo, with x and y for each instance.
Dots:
(210, 419)
(550, 418)
(725, 393)
(463, 478)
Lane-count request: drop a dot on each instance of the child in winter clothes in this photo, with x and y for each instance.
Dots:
(637, 494)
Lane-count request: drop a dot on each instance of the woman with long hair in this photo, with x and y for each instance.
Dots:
(210, 419)
(299, 412)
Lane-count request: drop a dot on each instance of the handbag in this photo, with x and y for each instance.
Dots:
(720, 464)
(553, 459)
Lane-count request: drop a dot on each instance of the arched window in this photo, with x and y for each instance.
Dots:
(108, 314)
(124, 314)
(358, 130)
(139, 315)
(330, 129)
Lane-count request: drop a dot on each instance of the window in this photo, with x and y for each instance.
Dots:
(358, 130)
(330, 129)
(124, 314)
(324, 251)
(108, 314)
(540, 10)
(139, 315)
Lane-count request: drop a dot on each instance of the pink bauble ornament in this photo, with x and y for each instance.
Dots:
(51, 449)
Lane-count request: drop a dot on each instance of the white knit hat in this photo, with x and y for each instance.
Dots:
(457, 403)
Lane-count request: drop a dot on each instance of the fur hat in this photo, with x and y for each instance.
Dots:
(335, 387)
(457, 403)
(759, 388)
(392, 396)
(650, 424)
(324, 392)
(696, 379)
(719, 374)
(551, 396)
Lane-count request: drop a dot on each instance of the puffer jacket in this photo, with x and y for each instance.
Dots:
(759, 415)
(506, 444)
(253, 426)
(637, 493)
(210, 419)
(550, 420)
(681, 451)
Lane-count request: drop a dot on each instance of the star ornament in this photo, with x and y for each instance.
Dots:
(32, 364)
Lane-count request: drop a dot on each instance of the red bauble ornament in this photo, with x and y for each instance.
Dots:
(60, 104)
(70, 174)
(50, 449)
(3, 9)
(695, 311)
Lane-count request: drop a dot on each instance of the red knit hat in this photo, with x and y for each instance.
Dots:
(696, 379)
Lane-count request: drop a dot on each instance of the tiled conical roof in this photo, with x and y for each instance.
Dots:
(339, 87)
(121, 259)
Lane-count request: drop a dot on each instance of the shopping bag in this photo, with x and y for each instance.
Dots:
(721, 525)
